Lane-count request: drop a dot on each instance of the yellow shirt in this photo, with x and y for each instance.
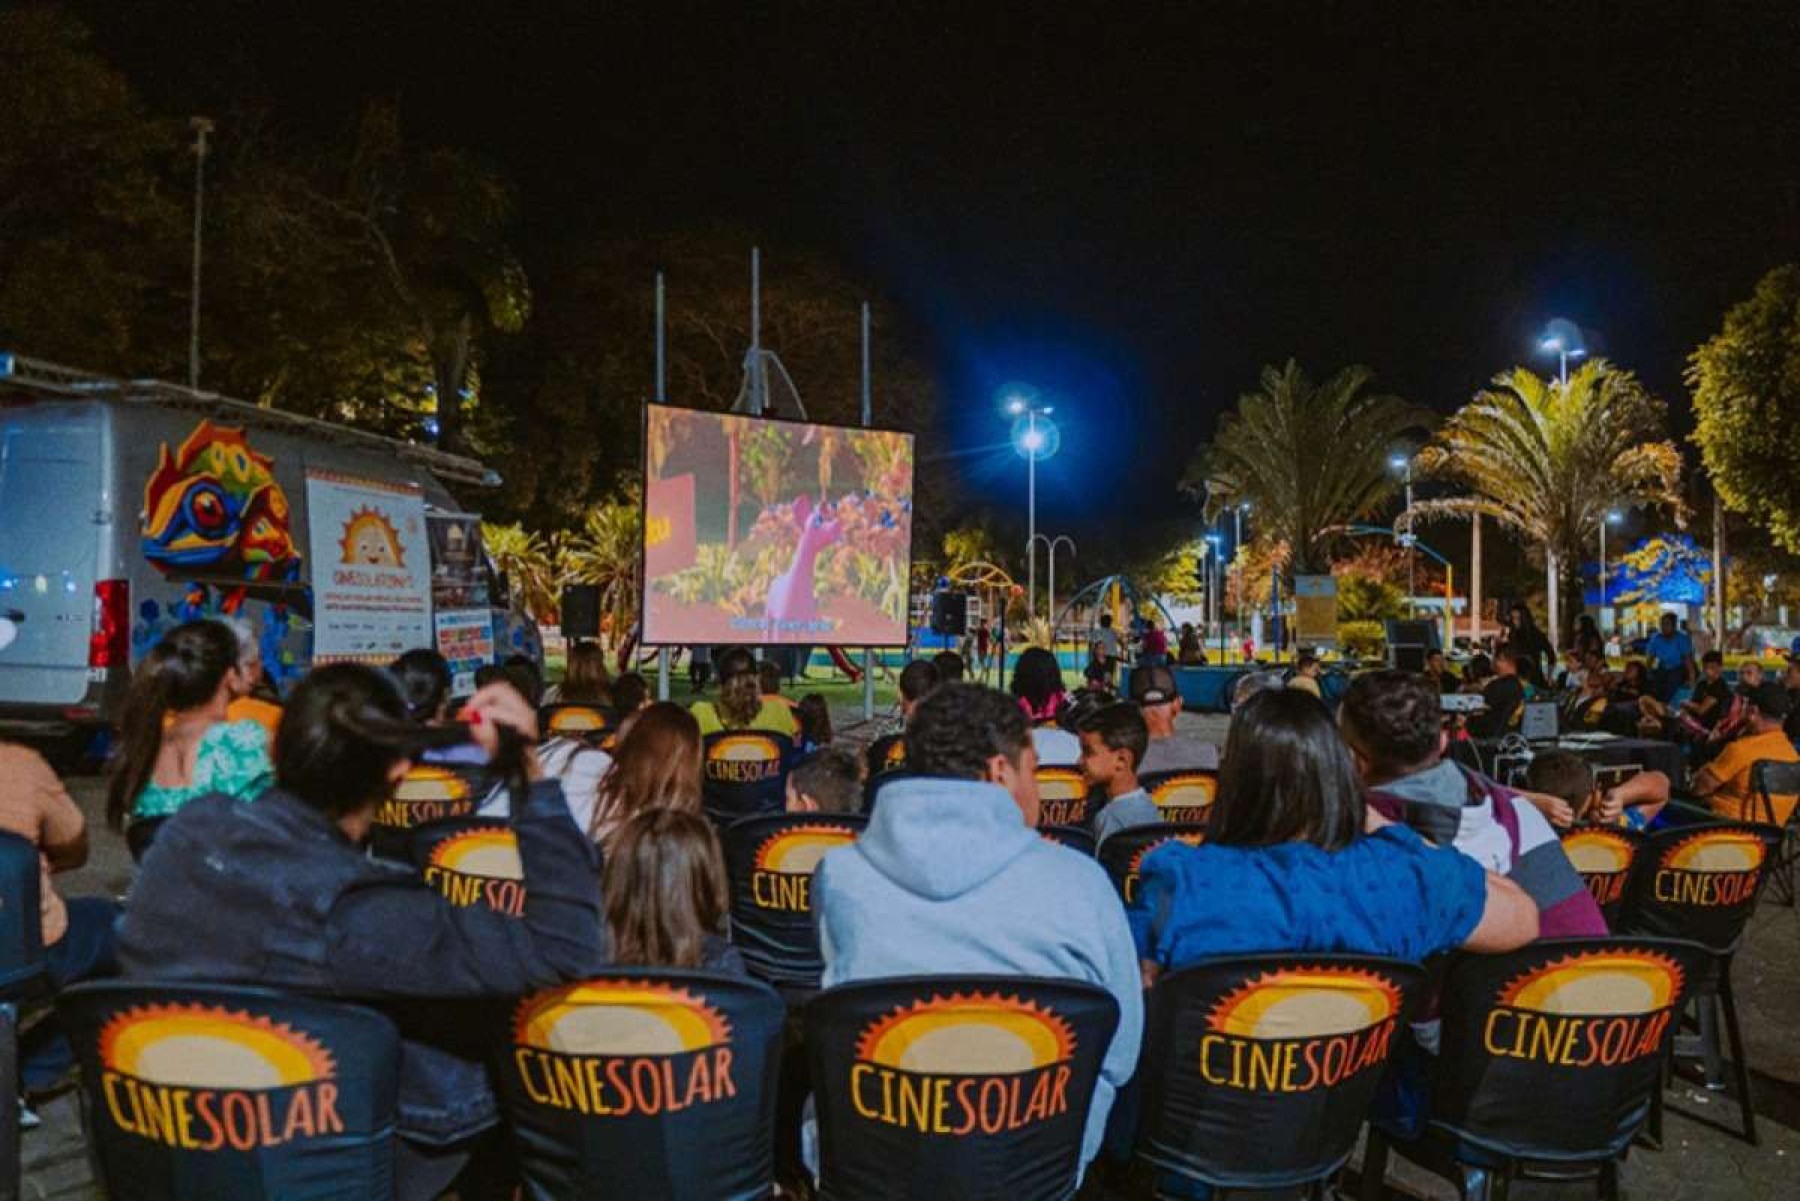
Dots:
(248, 708)
(776, 717)
(1735, 799)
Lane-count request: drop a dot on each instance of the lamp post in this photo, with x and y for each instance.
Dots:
(1237, 564)
(1613, 517)
(1403, 463)
(1213, 540)
(1050, 545)
(1035, 437)
(1564, 348)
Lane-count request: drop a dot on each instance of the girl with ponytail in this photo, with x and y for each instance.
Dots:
(741, 704)
(175, 742)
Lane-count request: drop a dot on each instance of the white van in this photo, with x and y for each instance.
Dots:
(127, 507)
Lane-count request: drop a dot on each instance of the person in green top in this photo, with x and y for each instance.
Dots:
(175, 742)
(741, 704)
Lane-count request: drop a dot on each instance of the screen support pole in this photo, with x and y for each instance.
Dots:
(662, 655)
(867, 417)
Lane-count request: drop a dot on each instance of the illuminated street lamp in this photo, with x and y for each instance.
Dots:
(1403, 463)
(1034, 437)
(1612, 518)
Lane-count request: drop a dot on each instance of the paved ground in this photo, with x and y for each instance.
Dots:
(1699, 1161)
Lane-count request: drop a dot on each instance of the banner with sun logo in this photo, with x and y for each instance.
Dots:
(1699, 882)
(371, 568)
(1122, 854)
(1062, 797)
(652, 1084)
(477, 864)
(771, 861)
(189, 1094)
(745, 772)
(1603, 856)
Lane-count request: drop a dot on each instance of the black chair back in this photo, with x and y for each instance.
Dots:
(1076, 838)
(140, 833)
(589, 723)
(771, 861)
(1236, 1048)
(953, 1088)
(745, 774)
(1604, 855)
(645, 1085)
(21, 919)
(472, 861)
(1122, 853)
(1583, 1021)
(1182, 796)
(1699, 882)
(430, 792)
(201, 1091)
(1064, 797)
(1769, 779)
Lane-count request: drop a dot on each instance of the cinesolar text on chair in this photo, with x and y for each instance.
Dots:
(770, 860)
(1603, 856)
(1700, 883)
(1263, 1067)
(744, 774)
(955, 1088)
(1768, 780)
(1585, 1021)
(24, 985)
(471, 862)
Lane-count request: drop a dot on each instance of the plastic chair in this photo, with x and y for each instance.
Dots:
(23, 981)
(644, 1085)
(745, 774)
(1121, 854)
(1768, 780)
(1603, 855)
(1182, 796)
(202, 1093)
(1252, 1044)
(589, 723)
(955, 1088)
(1586, 1021)
(471, 861)
(770, 861)
(430, 792)
(1076, 838)
(1699, 883)
(1064, 797)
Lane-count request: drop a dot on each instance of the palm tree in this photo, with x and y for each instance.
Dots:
(1547, 460)
(1311, 458)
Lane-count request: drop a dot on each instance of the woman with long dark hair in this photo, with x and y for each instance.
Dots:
(1037, 683)
(656, 765)
(666, 893)
(585, 679)
(741, 704)
(281, 893)
(175, 742)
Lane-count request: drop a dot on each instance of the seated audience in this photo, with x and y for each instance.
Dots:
(1153, 689)
(292, 901)
(1573, 672)
(950, 667)
(1563, 786)
(768, 680)
(585, 680)
(1188, 648)
(1504, 696)
(1695, 717)
(1790, 680)
(828, 781)
(888, 753)
(952, 876)
(630, 693)
(1306, 675)
(656, 765)
(1113, 740)
(741, 704)
(251, 697)
(1103, 647)
(424, 679)
(814, 716)
(1478, 671)
(1038, 684)
(175, 739)
(1584, 709)
(1395, 731)
(1440, 672)
(1725, 782)
(666, 894)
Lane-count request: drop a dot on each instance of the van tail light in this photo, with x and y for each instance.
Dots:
(109, 642)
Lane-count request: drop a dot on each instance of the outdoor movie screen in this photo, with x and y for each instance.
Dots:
(765, 531)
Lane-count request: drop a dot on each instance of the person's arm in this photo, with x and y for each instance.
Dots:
(1556, 811)
(1713, 776)
(404, 939)
(62, 830)
(1509, 919)
(1645, 788)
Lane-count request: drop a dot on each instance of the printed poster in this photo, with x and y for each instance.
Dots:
(371, 568)
(1315, 610)
(457, 579)
(466, 638)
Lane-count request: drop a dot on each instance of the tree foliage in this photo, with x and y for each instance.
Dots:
(1311, 457)
(1746, 387)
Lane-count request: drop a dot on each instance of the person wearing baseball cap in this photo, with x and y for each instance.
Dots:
(1153, 690)
(1725, 782)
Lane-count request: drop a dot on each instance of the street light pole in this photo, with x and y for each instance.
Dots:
(1237, 564)
(202, 127)
(1031, 511)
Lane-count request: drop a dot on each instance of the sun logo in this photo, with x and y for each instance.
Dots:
(743, 759)
(1135, 865)
(1062, 796)
(577, 720)
(205, 1078)
(1587, 1009)
(1711, 869)
(425, 794)
(964, 1064)
(895, 758)
(370, 540)
(615, 1048)
(781, 871)
(1187, 797)
(1296, 1029)
(1716, 851)
(479, 867)
(1603, 858)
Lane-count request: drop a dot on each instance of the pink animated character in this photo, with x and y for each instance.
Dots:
(791, 593)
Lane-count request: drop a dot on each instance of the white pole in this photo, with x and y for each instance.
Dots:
(1475, 582)
(868, 409)
(201, 127)
(662, 654)
(1031, 512)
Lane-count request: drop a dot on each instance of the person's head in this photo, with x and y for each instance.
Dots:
(1750, 674)
(1393, 722)
(768, 677)
(1307, 665)
(1106, 621)
(1287, 776)
(630, 692)
(1037, 682)
(967, 732)
(1667, 624)
(917, 679)
(1506, 663)
(740, 688)
(1519, 616)
(1113, 741)
(1434, 662)
(1564, 775)
(193, 671)
(949, 666)
(1634, 676)
(1594, 661)
(1769, 706)
(815, 719)
(526, 675)
(345, 741)
(1790, 675)
(249, 661)
(424, 679)
(664, 889)
(1713, 664)
(586, 680)
(828, 781)
(656, 765)
(1154, 691)
(1480, 668)
(1149, 623)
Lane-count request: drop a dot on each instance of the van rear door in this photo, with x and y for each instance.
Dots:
(50, 488)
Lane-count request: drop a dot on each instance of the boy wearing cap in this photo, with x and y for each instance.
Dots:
(1725, 782)
(1153, 688)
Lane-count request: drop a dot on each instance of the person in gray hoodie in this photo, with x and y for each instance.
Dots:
(951, 876)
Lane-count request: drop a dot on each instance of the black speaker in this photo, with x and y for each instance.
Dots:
(1410, 632)
(581, 611)
(950, 613)
(1406, 658)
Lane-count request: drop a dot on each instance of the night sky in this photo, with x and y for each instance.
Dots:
(1131, 213)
